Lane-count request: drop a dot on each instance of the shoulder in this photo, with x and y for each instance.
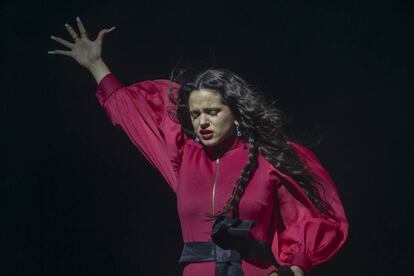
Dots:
(276, 175)
(303, 151)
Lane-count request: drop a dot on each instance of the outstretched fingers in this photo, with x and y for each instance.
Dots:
(62, 41)
(82, 30)
(71, 32)
(61, 52)
(101, 34)
(110, 30)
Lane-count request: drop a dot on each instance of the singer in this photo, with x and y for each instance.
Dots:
(250, 201)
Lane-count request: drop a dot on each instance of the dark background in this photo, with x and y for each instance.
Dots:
(78, 199)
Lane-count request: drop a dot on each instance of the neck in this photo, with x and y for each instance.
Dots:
(223, 146)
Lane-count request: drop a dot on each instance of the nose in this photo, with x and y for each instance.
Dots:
(204, 122)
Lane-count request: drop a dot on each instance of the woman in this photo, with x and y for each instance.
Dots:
(248, 199)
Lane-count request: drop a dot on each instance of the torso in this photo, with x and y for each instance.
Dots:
(206, 182)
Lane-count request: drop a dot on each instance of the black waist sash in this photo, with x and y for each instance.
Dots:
(231, 243)
(227, 260)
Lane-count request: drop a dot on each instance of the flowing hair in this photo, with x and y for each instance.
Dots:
(261, 126)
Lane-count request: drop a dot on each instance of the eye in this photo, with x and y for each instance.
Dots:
(194, 114)
(213, 112)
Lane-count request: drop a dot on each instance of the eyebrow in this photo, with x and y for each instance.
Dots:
(206, 109)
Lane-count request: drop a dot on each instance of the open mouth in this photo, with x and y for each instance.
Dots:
(207, 136)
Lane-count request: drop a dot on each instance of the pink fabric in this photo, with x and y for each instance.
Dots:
(284, 216)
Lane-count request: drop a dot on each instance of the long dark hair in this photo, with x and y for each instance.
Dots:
(260, 125)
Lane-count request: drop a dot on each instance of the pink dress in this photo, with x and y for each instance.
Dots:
(203, 179)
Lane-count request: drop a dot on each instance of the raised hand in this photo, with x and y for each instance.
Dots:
(85, 51)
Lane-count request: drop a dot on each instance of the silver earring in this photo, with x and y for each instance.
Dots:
(197, 139)
(238, 131)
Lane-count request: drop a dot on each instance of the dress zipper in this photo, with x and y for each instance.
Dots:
(214, 186)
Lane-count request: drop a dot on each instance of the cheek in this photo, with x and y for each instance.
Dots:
(195, 124)
(225, 123)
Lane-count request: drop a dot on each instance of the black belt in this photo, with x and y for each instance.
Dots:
(231, 243)
(227, 260)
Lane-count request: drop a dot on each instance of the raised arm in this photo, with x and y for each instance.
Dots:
(141, 110)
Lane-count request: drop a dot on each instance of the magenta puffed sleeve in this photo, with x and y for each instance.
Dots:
(303, 236)
(141, 110)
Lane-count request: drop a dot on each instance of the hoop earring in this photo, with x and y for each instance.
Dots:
(238, 131)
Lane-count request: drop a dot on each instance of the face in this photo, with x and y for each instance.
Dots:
(212, 120)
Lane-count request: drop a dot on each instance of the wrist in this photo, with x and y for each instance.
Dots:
(297, 270)
(98, 69)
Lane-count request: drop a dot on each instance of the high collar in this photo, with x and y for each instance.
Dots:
(224, 146)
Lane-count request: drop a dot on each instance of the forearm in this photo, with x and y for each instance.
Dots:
(99, 70)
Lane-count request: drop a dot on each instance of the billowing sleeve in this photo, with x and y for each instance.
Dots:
(303, 237)
(142, 111)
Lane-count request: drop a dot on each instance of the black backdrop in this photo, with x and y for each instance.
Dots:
(77, 197)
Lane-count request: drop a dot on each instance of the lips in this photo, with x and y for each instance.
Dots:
(206, 134)
(205, 131)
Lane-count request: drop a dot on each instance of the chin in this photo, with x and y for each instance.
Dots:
(208, 143)
(211, 142)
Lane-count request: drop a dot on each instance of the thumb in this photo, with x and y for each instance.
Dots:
(101, 34)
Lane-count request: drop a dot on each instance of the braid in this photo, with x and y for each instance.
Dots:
(241, 184)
